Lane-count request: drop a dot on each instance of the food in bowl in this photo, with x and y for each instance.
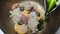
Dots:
(28, 16)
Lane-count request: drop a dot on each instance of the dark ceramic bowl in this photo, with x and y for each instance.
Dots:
(6, 24)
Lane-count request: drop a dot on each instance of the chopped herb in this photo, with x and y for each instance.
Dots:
(22, 8)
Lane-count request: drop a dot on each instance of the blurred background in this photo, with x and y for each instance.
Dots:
(1, 32)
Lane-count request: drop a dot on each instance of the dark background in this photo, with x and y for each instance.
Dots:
(6, 24)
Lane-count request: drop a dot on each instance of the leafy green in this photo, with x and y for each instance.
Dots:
(50, 4)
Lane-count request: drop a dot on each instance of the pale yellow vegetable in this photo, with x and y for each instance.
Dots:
(18, 29)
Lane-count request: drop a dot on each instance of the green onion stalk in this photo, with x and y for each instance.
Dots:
(50, 5)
